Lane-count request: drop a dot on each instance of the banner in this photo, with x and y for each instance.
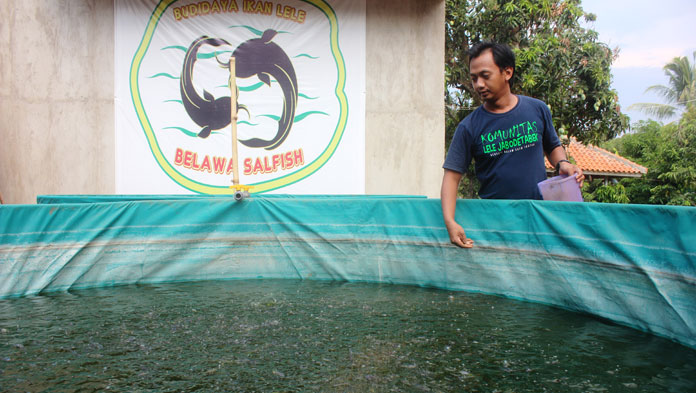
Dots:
(267, 94)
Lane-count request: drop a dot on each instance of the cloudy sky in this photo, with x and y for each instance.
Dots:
(649, 34)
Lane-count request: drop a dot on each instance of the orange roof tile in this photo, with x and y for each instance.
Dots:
(594, 160)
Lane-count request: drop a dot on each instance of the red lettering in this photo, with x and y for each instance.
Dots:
(178, 156)
(218, 164)
(276, 161)
(230, 167)
(269, 164)
(195, 165)
(299, 157)
(188, 156)
(205, 166)
(258, 166)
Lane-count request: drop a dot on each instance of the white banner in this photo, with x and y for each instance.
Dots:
(296, 69)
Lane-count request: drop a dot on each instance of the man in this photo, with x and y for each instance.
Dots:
(507, 137)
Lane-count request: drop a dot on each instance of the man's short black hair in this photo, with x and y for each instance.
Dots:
(502, 54)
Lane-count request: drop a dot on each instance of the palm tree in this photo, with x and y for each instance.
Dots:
(681, 92)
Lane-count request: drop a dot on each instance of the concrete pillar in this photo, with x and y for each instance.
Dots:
(405, 120)
(56, 98)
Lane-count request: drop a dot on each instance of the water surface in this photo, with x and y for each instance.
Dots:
(299, 336)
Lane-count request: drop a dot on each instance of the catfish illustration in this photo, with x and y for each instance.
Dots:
(208, 112)
(265, 59)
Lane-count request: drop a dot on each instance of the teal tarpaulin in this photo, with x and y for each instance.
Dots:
(633, 264)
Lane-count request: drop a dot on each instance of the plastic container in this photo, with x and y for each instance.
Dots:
(560, 188)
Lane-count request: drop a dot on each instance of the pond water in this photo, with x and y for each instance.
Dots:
(299, 336)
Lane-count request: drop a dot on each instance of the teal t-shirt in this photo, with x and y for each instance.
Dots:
(507, 149)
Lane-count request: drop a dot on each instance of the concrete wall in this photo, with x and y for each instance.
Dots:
(405, 118)
(56, 98)
(57, 109)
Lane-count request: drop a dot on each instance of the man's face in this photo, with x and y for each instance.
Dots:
(490, 82)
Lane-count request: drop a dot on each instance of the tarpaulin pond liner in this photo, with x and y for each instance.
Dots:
(632, 264)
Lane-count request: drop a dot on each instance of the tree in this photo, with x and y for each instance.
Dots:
(681, 92)
(558, 61)
(597, 191)
(669, 153)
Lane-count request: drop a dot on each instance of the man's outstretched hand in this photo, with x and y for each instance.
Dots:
(458, 237)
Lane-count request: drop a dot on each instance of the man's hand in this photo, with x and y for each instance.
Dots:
(558, 156)
(569, 169)
(458, 237)
(448, 198)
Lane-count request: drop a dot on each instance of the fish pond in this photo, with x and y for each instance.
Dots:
(300, 336)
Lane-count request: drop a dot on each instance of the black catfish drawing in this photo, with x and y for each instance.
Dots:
(265, 59)
(258, 56)
(208, 112)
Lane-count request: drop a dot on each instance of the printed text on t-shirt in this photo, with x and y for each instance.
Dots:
(517, 136)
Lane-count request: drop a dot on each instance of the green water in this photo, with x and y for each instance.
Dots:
(299, 336)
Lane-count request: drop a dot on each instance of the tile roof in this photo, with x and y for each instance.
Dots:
(594, 160)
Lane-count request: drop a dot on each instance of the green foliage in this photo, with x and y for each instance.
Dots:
(597, 191)
(669, 153)
(558, 61)
(469, 185)
(681, 92)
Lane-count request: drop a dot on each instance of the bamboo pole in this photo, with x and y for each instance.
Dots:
(233, 120)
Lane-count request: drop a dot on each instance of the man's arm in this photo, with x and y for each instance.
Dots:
(448, 198)
(566, 168)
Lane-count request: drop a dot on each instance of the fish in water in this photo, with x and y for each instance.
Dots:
(266, 60)
(208, 112)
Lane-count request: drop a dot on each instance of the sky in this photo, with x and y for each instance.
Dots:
(649, 34)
